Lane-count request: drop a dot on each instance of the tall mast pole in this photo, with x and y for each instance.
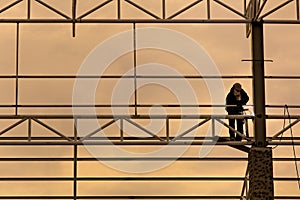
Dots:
(260, 156)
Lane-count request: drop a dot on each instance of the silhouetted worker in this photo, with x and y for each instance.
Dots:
(236, 98)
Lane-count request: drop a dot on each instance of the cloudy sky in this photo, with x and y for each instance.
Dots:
(50, 49)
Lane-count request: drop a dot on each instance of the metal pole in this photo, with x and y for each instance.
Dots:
(213, 128)
(260, 156)
(208, 9)
(168, 129)
(74, 2)
(29, 129)
(258, 84)
(17, 69)
(121, 130)
(134, 65)
(164, 9)
(28, 9)
(119, 9)
(75, 167)
(297, 9)
(75, 172)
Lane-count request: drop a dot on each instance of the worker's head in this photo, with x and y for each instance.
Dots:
(237, 87)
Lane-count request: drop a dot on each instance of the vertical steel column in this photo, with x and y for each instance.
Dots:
(119, 9)
(121, 129)
(213, 128)
(75, 166)
(17, 69)
(208, 9)
(297, 9)
(168, 129)
(163, 9)
(258, 84)
(28, 9)
(134, 68)
(29, 129)
(75, 172)
(74, 3)
(260, 157)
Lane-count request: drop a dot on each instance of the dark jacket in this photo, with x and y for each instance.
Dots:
(231, 100)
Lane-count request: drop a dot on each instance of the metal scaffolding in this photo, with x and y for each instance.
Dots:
(252, 15)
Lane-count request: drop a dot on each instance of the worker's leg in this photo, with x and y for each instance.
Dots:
(232, 124)
(240, 129)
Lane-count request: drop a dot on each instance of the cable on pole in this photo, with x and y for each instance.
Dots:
(293, 144)
(283, 127)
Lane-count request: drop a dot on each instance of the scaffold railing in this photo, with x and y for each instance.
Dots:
(61, 139)
(167, 138)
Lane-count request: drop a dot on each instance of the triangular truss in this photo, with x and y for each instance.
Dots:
(244, 13)
(27, 119)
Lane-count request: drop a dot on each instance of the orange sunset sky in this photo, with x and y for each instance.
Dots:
(50, 49)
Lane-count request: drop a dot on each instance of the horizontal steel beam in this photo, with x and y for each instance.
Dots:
(178, 116)
(122, 197)
(125, 143)
(139, 77)
(85, 159)
(120, 178)
(123, 77)
(14, 138)
(145, 21)
(238, 197)
(131, 179)
(128, 21)
(281, 22)
(140, 143)
(140, 116)
(131, 105)
(113, 106)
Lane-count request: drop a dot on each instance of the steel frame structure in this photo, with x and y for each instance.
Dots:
(243, 15)
(246, 16)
